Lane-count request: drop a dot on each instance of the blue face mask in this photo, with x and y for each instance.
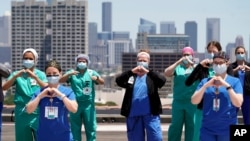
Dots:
(240, 57)
(210, 55)
(190, 57)
(53, 79)
(81, 65)
(28, 64)
(144, 64)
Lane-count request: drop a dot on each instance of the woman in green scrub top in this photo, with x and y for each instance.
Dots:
(26, 82)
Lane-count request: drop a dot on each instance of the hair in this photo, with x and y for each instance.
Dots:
(144, 50)
(221, 55)
(238, 47)
(216, 44)
(53, 63)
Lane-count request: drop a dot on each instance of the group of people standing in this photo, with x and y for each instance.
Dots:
(206, 97)
(42, 104)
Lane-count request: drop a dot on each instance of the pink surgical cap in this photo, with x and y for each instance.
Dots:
(188, 49)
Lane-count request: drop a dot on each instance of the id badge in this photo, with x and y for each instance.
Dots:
(33, 82)
(87, 91)
(51, 112)
(131, 80)
(216, 104)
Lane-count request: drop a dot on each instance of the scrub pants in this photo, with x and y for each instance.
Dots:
(197, 124)
(245, 108)
(136, 128)
(25, 124)
(210, 137)
(86, 114)
(182, 114)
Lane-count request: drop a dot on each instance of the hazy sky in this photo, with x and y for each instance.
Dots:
(234, 16)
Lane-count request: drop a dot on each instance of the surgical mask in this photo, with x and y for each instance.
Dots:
(190, 58)
(28, 63)
(53, 79)
(219, 69)
(210, 55)
(144, 64)
(240, 57)
(81, 65)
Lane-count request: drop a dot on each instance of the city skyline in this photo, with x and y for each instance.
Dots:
(126, 16)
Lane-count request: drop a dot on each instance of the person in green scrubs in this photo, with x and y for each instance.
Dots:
(26, 82)
(82, 81)
(182, 108)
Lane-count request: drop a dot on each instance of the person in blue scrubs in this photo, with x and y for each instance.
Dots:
(141, 103)
(54, 102)
(241, 69)
(4, 72)
(222, 95)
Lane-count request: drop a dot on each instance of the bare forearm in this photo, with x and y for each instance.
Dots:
(236, 99)
(198, 95)
(71, 105)
(32, 105)
(9, 83)
(64, 78)
(170, 70)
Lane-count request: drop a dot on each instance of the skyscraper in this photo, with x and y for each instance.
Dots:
(106, 17)
(57, 31)
(191, 31)
(167, 27)
(147, 26)
(92, 36)
(5, 30)
(239, 41)
(213, 29)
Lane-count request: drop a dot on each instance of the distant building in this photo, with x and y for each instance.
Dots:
(213, 29)
(162, 43)
(167, 27)
(230, 49)
(115, 50)
(106, 17)
(239, 41)
(93, 37)
(119, 35)
(5, 30)
(5, 55)
(57, 29)
(146, 26)
(192, 31)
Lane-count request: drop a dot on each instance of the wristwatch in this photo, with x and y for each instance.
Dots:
(97, 78)
(229, 87)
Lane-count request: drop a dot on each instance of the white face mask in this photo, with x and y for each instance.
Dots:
(190, 58)
(220, 69)
(53, 79)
